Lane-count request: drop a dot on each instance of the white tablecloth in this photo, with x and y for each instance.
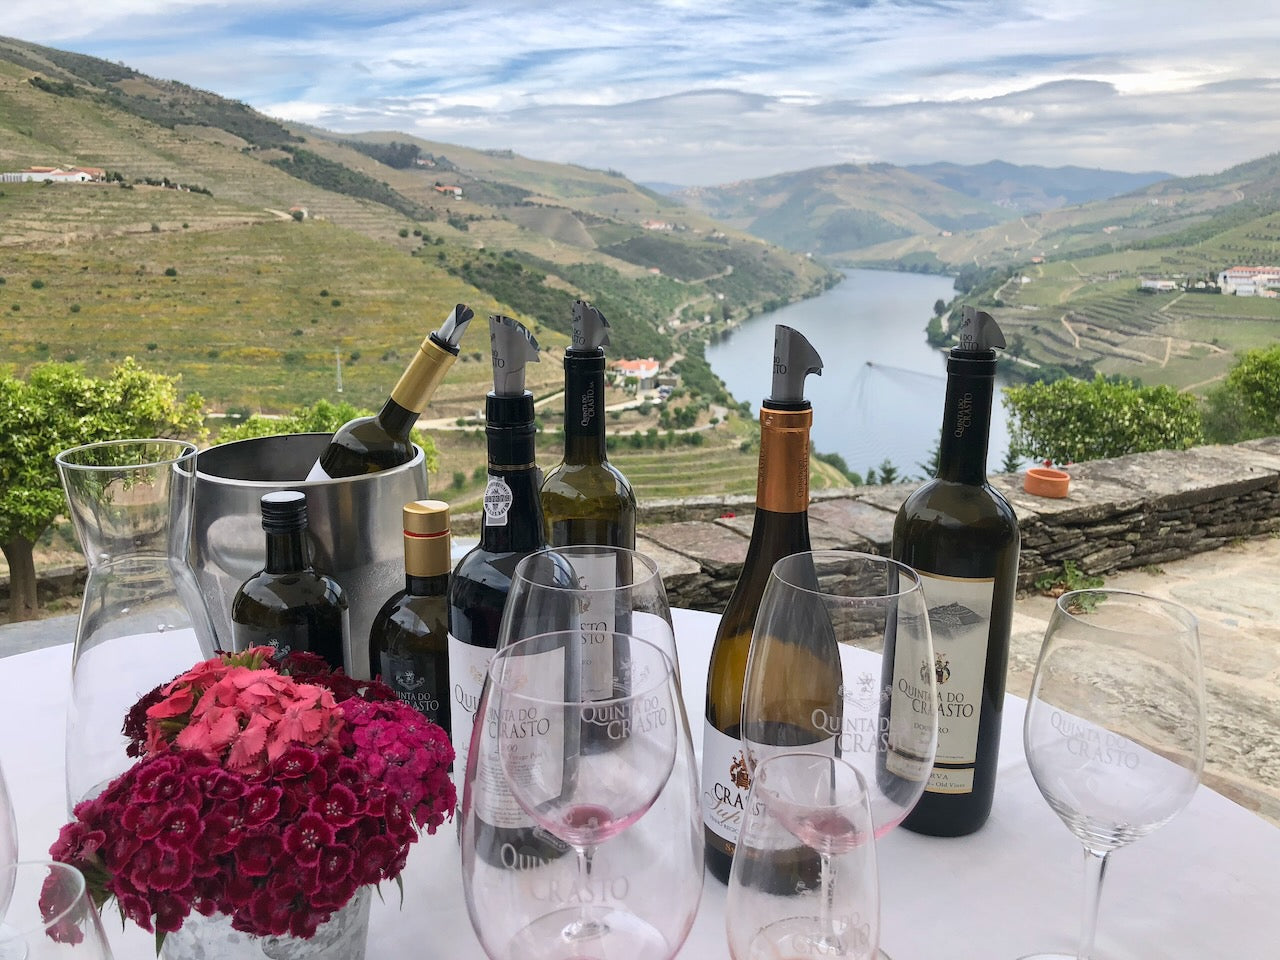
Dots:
(1204, 887)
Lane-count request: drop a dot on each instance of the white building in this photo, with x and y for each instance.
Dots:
(53, 175)
(1249, 281)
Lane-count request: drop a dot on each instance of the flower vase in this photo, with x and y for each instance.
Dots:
(342, 937)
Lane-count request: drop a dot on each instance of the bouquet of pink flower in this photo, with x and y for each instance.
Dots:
(267, 791)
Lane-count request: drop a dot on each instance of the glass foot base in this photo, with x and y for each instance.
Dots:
(588, 933)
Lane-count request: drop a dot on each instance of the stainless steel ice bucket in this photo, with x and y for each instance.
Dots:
(354, 525)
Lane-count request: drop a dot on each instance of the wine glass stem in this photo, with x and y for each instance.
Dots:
(586, 854)
(1095, 866)
(828, 897)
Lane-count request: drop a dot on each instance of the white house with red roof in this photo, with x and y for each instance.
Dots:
(1250, 281)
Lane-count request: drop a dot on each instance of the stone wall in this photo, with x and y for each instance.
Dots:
(1134, 511)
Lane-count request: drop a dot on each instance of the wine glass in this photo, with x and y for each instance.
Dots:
(609, 589)
(49, 915)
(823, 899)
(1115, 724)
(581, 835)
(841, 662)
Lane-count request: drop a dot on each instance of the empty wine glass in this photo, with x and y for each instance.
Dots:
(580, 830)
(603, 589)
(1115, 724)
(841, 662)
(821, 899)
(49, 915)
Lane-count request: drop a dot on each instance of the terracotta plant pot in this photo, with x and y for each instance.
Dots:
(1046, 482)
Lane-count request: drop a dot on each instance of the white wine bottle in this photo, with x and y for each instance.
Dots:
(379, 442)
(961, 536)
(780, 528)
(585, 498)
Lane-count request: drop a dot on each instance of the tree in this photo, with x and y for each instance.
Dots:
(1072, 420)
(59, 406)
(1247, 403)
(321, 417)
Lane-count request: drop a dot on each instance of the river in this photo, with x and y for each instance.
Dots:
(881, 392)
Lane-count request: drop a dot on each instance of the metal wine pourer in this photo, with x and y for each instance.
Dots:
(455, 325)
(978, 333)
(590, 329)
(512, 346)
(793, 359)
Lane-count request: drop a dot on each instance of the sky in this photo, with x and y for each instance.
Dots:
(701, 92)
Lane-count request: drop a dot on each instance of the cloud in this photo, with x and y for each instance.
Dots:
(714, 90)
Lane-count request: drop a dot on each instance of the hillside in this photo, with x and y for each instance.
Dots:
(271, 265)
(1023, 188)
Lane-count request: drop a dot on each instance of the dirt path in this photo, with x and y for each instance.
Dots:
(1070, 332)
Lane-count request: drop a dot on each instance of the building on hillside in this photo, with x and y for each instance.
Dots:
(1250, 281)
(1159, 284)
(448, 189)
(54, 175)
(645, 371)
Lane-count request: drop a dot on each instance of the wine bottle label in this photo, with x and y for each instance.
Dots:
(414, 682)
(597, 619)
(960, 619)
(468, 665)
(497, 502)
(531, 740)
(726, 781)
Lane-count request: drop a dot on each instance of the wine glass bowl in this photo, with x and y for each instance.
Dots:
(579, 820)
(48, 914)
(841, 662)
(1115, 724)
(820, 898)
(605, 588)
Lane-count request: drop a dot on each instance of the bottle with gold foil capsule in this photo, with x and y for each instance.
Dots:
(961, 536)
(379, 442)
(780, 528)
(409, 638)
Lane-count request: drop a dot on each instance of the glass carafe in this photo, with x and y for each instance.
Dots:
(143, 620)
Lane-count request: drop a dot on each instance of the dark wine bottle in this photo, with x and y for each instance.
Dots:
(961, 536)
(288, 605)
(585, 498)
(409, 638)
(510, 529)
(379, 442)
(781, 528)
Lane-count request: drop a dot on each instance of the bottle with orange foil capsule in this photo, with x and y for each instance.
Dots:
(781, 528)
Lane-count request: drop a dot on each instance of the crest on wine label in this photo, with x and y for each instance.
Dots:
(978, 331)
(590, 328)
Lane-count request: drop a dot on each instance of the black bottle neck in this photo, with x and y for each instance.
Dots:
(966, 419)
(512, 518)
(435, 586)
(584, 440)
(396, 420)
(286, 551)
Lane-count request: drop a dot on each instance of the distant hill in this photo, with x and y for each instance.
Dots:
(835, 211)
(1031, 189)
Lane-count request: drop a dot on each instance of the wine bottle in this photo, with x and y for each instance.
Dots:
(780, 528)
(587, 501)
(510, 529)
(379, 442)
(409, 637)
(288, 605)
(961, 536)
(585, 498)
